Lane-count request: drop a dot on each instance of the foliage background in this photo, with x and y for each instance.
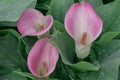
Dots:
(102, 63)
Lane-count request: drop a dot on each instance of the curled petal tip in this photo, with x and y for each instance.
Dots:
(33, 23)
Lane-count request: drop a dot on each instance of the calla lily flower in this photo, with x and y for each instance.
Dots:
(84, 26)
(34, 23)
(42, 58)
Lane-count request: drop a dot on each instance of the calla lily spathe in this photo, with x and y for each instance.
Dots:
(84, 26)
(33, 23)
(42, 58)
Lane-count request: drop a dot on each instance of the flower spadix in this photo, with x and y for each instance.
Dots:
(84, 26)
(42, 58)
(33, 23)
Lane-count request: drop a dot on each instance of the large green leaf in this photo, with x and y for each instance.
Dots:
(108, 36)
(25, 74)
(91, 75)
(12, 76)
(109, 59)
(110, 15)
(43, 4)
(84, 66)
(10, 10)
(11, 31)
(25, 44)
(57, 27)
(22, 48)
(61, 71)
(63, 42)
(28, 42)
(65, 45)
(10, 58)
(4, 4)
(58, 9)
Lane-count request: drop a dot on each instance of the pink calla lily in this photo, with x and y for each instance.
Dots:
(34, 23)
(42, 58)
(84, 26)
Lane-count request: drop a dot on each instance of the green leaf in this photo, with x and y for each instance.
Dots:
(10, 10)
(94, 3)
(109, 59)
(12, 76)
(58, 9)
(61, 40)
(22, 49)
(10, 58)
(61, 71)
(11, 31)
(29, 42)
(65, 45)
(110, 16)
(43, 4)
(57, 28)
(4, 4)
(25, 45)
(31, 76)
(25, 74)
(84, 66)
(110, 56)
(92, 75)
(108, 36)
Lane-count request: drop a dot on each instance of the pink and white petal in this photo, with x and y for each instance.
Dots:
(69, 19)
(42, 52)
(28, 21)
(92, 20)
(34, 56)
(48, 25)
(53, 58)
(83, 18)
